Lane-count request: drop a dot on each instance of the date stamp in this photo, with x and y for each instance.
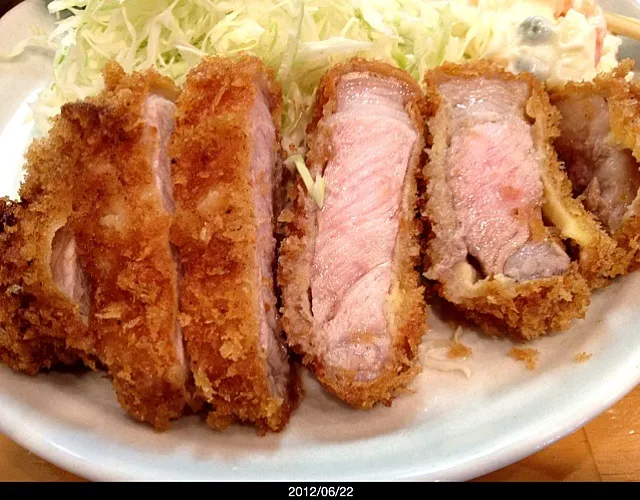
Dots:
(321, 491)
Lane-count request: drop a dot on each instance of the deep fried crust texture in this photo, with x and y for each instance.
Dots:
(529, 309)
(39, 326)
(122, 231)
(406, 303)
(215, 230)
(623, 99)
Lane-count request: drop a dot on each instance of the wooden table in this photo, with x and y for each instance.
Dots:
(607, 449)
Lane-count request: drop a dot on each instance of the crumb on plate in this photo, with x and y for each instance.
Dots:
(528, 355)
(458, 350)
(581, 357)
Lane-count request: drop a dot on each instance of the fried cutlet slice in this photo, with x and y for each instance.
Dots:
(226, 167)
(502, 220)
(353, 303)
(121, 224)
(44, 291)
(599, 146)
(35, 320)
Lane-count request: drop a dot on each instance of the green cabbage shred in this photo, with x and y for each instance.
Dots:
(299, 39)
(315, 188)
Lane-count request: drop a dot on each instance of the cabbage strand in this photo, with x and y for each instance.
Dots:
(299, 39)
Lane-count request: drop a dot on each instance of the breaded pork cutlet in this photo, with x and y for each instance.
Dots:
(353, 304)
(499, 207)
(44, 292)
(121, 223)
(599, 144)
(40, 313)
(226, 168)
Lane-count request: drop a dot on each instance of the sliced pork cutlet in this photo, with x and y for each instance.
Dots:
(599, 146)
(493, 185)
(121, 221)
(353, 304)
(44, 291)
(226, 164)
(39, 308)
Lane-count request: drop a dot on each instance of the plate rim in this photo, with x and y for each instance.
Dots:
(88, 468)
(533, 440)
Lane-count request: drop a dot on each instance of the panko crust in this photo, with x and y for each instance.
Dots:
(215, 232)
(406, 307)
(122, 232)
(623, 99)
(39, 326)
(498, 304)
(35, 321)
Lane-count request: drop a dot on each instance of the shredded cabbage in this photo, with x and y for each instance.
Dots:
(299, 39)
(315, 188)
(446, 365)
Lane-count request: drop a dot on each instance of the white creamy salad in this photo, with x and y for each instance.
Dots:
(557, 41)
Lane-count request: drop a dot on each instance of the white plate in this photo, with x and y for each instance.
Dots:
(450, 428)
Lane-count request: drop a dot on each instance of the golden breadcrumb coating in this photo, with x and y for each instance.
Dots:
(122, 232)
(406, 312)
(501, 305)
(34, 321)
(623, 99)
(39, 325)
(215, 231)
